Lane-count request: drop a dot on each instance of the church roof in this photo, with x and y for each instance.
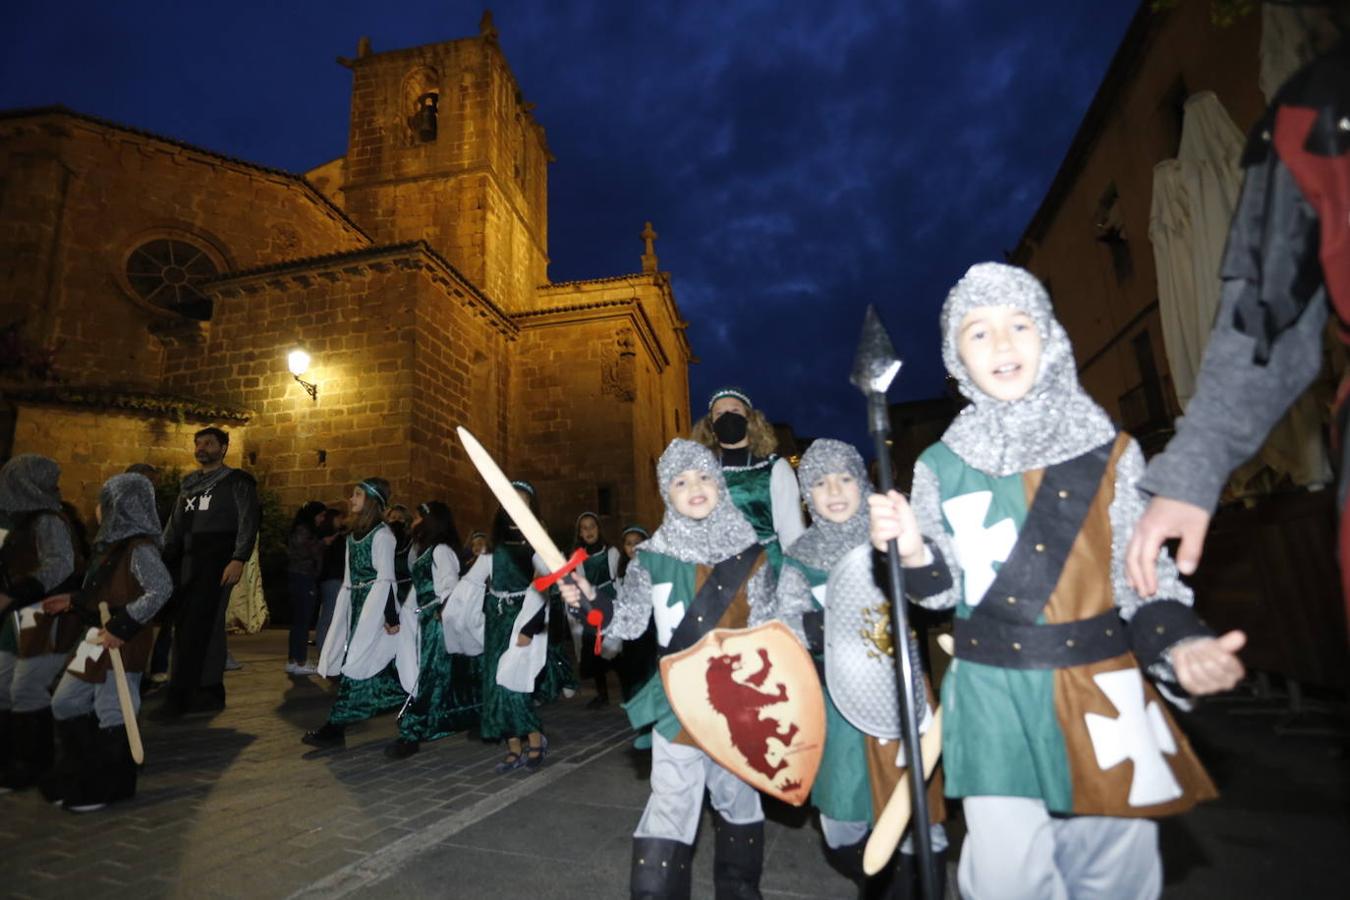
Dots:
(300, 180)
(159, 405)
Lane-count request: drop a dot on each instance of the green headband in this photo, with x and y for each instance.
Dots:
(374, 492)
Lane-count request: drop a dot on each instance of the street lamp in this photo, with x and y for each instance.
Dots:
(298, 362)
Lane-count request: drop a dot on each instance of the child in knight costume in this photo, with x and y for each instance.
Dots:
(95, 766)
(377, 670)
(1028, 500)
(37, 560)
(762, 484)
(858, 772)
(703, 540)
(448, 694)
(496, 612)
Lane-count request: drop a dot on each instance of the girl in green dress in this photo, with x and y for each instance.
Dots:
(511, 634)
(602, 570)
(362, 644)
(448, 695)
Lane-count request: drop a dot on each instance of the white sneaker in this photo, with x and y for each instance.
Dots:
(232, 664)
(301, 669)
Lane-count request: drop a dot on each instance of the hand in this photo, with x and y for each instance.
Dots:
(1164, 519)
(109, 640)
(573, 586)
(57, 603)
(329, 539)
(523, 640)
(892, 518)
(233, 572)
(390, 629)
(1209, 665)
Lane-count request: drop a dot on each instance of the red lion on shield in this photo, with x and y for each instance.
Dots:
(740, 702)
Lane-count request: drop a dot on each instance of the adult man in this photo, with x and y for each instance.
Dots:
(1288, 259)
(208, 540)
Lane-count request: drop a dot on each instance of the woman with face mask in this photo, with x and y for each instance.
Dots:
(761, 484)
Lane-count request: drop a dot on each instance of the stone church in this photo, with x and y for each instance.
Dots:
(149, 287)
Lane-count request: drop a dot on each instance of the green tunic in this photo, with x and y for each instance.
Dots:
(449, 692)
(749, 487)
(1000, 734)
(358, 700)
(505, 713)
(649, 705)
(841, 790)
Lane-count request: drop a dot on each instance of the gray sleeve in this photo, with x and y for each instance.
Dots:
(56, 553)
(792, 600)
(1236, 403)
(156, 585)
(925, 499)
(633, 605)
(1126, 508)
(760, 593)
(250, 517)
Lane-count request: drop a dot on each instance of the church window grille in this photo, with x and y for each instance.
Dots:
(169, 273)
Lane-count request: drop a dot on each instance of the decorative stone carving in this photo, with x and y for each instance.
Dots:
(618, 375)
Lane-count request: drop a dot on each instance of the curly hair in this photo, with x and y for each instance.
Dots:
(762, 439)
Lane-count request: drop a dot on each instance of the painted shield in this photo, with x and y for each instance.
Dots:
(859, 653)
(752, 701)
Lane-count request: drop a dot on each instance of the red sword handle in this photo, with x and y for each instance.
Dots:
(544, 582)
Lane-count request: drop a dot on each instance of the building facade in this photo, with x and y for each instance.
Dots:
(149, 287)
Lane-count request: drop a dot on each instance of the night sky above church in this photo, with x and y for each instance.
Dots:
(799, 160)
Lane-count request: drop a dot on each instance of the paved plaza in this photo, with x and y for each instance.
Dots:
(236, 806)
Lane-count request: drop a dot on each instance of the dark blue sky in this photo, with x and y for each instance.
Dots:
(799, 160)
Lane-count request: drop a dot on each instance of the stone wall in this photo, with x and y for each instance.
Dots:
(85, 194)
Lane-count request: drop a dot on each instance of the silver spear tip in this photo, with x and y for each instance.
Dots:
(875, 365)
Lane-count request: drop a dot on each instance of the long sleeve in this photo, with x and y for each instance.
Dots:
(156, 586)
(56, 561)
(1157, 623)
(1236, 403)
(925, 499)
(444, 571)
(173, 534)
(792, 600)
(633, 605)
(614, 555)
(786, 496)
(250, 516)
(760, 594)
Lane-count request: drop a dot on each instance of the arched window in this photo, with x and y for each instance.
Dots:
(167, 273)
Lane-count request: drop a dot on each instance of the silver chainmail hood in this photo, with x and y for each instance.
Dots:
(825, 542)
(1055, 421)
(28, 483)
(127, 507)
(724, 532)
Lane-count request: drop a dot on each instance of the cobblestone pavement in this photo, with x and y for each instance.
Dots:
(235, 806)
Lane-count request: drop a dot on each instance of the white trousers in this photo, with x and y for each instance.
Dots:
(679, 775)
(1015, 850)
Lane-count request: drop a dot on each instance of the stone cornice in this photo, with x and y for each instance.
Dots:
(156, 405)
(627, 308)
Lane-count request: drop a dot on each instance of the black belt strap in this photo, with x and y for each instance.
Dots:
(724, 582)
(1012, 646)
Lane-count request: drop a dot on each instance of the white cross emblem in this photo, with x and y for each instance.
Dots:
(668, 615)
(977, 547)
(1139, 734)
(89, 652)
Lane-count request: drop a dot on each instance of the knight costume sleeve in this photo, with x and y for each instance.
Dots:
(633, 605)
(156, 586)
(760, 594)
(173, 535)
(793, 601)
(1236, 403)
(933, 591)
(1161, 622)
(56, 561)
(250, 515)
(539, 621)
(444, 571)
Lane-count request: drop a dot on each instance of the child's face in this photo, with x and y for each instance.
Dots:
(588, 530)
(693, 493)
(630, 542)
(836, 496)
(417, 519)
(1001, 349)
(357, 502)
